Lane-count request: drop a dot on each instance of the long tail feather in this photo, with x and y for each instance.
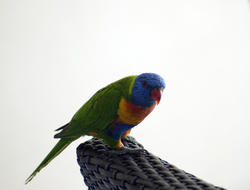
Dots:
(58, 148)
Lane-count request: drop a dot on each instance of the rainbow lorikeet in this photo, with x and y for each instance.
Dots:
(110, 113)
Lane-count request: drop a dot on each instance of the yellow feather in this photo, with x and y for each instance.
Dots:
(131, 86)
(131, 114)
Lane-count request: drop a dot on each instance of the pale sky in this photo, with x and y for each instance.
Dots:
(56, 54)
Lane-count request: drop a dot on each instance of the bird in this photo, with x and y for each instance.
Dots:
(110, 113)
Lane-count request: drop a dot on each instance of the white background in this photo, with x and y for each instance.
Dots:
(55, 54)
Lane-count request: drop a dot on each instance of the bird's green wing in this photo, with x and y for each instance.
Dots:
(96, 114)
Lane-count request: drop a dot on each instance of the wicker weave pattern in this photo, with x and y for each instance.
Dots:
(103, 170)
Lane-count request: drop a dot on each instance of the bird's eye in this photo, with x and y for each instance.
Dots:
(144, 84)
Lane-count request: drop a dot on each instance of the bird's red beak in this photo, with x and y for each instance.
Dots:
(156, 94)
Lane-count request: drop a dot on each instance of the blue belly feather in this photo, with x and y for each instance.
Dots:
(117, 129)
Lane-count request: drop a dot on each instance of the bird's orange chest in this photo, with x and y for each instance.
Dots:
(131, 114)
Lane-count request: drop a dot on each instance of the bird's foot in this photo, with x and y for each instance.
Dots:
(125, 150)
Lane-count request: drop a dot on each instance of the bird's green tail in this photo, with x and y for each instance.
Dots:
(58, 148)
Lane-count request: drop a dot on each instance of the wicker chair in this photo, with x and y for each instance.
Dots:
(104, 170)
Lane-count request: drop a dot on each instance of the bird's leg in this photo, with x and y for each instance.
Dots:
(119, 144)
(120, 149)
(126, 133)
(113, 137)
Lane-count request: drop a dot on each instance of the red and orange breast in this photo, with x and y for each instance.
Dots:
(131, 114)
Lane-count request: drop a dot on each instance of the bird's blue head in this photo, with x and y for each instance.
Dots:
(147, 89)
